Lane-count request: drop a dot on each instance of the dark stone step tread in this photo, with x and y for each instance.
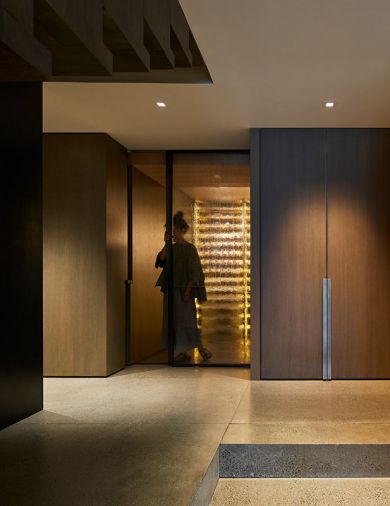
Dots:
(304, 460)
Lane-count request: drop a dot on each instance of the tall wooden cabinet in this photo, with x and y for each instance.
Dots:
(324, 214)
(359, 251)
(293, 251)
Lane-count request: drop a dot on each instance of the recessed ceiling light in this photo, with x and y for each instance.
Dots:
(161, 104)
(329, 105)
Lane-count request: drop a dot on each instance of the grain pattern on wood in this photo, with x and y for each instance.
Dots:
(84, 254)
(22, 56)
(180, 36)
(73, 32)
(123, 32)
(158, 33)
(359, 251)
(116, 252)
(293, 262)
(74, 259)
(98, 41)
(148, 238)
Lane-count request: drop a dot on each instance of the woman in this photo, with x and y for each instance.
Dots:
(188, 285)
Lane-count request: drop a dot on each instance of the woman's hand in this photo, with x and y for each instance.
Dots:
(163, 253)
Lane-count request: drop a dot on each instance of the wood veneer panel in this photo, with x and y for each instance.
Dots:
(116, 248)
(293, 252)
(74, 224)
(148, 234)
(359, 251)
(85, 254)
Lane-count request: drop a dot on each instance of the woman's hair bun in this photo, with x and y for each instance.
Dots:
(179, 222)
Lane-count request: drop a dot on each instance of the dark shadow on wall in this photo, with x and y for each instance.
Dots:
(21, 381)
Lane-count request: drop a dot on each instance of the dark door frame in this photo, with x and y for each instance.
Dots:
(129, 280)
(255, 252)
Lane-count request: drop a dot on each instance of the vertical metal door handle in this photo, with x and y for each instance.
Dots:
(326, 329)
(329, 325)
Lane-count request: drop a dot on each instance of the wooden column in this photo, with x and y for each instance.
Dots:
(85, 254)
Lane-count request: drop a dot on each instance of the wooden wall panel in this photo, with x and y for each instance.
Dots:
(359, 251)
(116, 248)
(74, 226)
(148, 234)
(85, 254)
(293, 248)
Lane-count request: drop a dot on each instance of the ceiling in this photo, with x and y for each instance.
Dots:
(201, 176)
(273, 64)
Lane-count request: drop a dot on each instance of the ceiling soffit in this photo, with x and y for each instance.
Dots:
(99, 41)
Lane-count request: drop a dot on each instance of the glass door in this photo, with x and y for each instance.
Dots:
(208, 223)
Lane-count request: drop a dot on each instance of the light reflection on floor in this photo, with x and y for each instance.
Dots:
(226, 351)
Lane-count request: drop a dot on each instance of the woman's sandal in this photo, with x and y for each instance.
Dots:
(205, 353)
(181, 357)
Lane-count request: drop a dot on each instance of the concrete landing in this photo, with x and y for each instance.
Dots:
(302, 492)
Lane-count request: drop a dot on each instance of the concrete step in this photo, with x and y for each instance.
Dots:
(282, 474)
(304, 461)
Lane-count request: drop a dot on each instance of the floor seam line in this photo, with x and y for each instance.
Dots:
(235, 410)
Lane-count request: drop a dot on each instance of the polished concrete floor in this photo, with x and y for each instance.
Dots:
(146, 435)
